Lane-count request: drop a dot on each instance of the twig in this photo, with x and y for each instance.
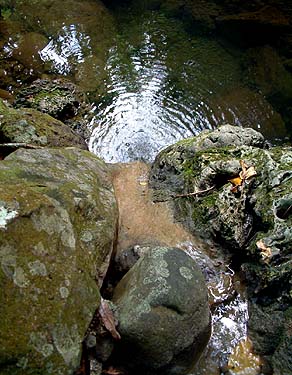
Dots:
(198, 192)
(285, 214)
(16, 145)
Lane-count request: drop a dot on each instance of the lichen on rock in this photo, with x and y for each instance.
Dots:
(163, 313)
(30, 126)
(250, 218)
(49, 279)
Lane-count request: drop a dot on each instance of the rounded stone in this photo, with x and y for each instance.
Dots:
(163, 313)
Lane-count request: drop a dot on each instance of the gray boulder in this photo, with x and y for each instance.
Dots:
(27, 125)
(57, 223)
(163, 313)
(243, 202)
(174, 164)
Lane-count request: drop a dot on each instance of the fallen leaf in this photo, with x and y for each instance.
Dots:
(236, 181)
(245, 174)
(248, 173)
(108, 319)
(112, 371)
(265, 251)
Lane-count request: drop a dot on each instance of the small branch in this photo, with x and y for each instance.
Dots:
(195, 193)
(17, 145)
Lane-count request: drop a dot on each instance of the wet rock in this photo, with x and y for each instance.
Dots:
(266, 328)
(163, 313)
(57, 223)
(262, 25)
(252, 220)
(169, 170)
(60, 99)
(26, 52)
(86, 13)
(33, 127)
(78, 36)
(253, 110)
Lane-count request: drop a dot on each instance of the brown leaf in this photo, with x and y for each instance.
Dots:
(266, 252)
(108, 319)
(112, 371)
(236, 181)
(245, 174)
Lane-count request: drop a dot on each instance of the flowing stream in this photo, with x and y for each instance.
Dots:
(143, 223)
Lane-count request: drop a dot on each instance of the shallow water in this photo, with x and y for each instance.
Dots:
(143, 223)
(150, 81)
(164, 85)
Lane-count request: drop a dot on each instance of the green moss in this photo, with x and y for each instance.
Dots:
(46, 269)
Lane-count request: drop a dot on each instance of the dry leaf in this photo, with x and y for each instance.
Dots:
(248, 173)
(236, 181)
(108, 319)
(112, 371)
(245, 174)
(266, 252)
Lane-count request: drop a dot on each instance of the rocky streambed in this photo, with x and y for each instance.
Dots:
(181, 265)
(199, 240)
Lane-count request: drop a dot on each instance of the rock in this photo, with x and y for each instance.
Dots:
(169, 170)
(265, 328)
(60, 99)
(26, 52)
(163, 313)
(57, 223)
(251, 221)
(36, 128)
(260, 26)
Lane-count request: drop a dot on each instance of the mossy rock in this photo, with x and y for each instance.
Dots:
(57, 223)
(60, 99)
(36, 128)
(252, 221)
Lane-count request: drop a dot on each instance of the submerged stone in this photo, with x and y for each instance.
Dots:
(163, 313)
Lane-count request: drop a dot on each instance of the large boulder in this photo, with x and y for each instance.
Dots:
(57, 223)
(27, 125)
(172, 167)
(163, 313)
(227, 187)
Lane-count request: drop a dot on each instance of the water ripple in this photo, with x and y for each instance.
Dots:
(163, 86)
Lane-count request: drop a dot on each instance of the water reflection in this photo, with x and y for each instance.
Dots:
(138, 121)
(67, 50)
(163, 86)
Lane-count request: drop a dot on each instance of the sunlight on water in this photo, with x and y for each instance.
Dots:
(229, 313)
(66, 50)
(136, 124)
(164, 85)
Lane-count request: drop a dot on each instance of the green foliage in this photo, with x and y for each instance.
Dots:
(6, 13)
